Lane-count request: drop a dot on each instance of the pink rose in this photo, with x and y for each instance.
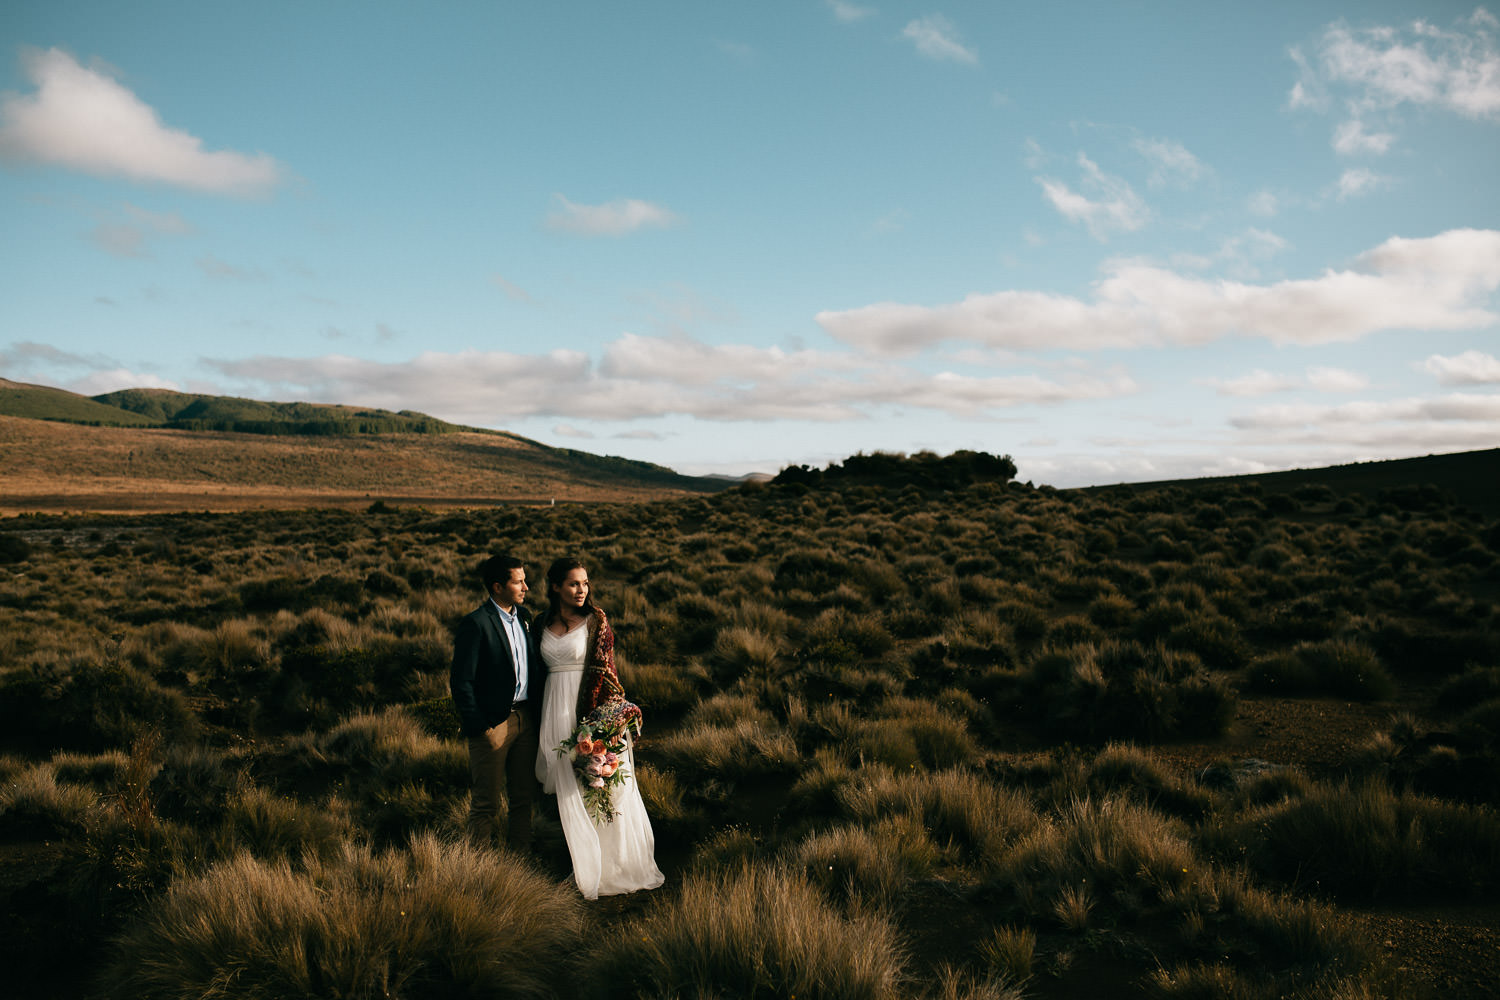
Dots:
(597, 783)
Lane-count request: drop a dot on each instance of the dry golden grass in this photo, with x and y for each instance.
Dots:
(434, 920)
(70, 467)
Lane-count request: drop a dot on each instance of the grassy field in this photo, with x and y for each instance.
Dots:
(903, 740)
(53, 467)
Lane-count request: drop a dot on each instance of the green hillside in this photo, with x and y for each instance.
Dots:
(197, 412)
(43, 402)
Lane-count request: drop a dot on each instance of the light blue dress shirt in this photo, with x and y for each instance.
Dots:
(517, 636)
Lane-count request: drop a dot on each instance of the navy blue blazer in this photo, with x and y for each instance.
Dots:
(483, 678)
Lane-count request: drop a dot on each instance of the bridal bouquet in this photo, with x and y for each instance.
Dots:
(597, 749)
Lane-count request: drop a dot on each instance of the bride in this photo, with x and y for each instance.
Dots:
(577, 645)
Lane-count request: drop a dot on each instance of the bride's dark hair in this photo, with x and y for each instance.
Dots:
(556, 574)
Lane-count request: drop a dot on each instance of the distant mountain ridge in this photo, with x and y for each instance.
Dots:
(474, 462)
(204, 412)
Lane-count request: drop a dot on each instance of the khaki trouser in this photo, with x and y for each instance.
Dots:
(502, 762)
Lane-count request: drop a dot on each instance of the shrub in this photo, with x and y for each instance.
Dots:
(1475, 685)
(88, 706)
(1134, 773)
(1115, 689)
(434, 920)
(955, 984)
(1204, 981)
(964, 813)
(1366, 842)
(703, 753)
(1028, 620)
(1214, 638)
(741, 652)
(872, 864)
(662, 689)
(14, 549)
(1130, 858)
(35, 805)
(1010, 952)
(1111, 611)
(756, 931)
(194, 785)
(1283, 672)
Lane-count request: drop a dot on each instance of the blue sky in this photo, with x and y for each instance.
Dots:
(1115, 241)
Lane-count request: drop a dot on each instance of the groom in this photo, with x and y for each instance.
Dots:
(496, 682)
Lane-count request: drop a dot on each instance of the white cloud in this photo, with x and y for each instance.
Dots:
(1263, 203)
(1382, 69)
(849, 12)
(615, 218)
(1421, 65)
(1350, 139)
(1436, 283)
(1336, 380)
(570, 431)
(1170, 161)
(1468, 368)
(84, 120)
(936, 38)
(1263, 383)
(1455, 407)
(1115, 207)
(1242, 254)
(643, 377)
(1257, 383)
(1357, 181)
(685, 361)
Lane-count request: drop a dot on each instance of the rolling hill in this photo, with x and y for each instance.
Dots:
(145, 450)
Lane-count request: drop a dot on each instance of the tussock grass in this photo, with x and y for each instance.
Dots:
(1365, 841)
(1129, 857)
(718, 753)
(273, 826)
(974, 819)
(1333, 666)
(1470, 688)
(88, 704)
(99, 771)
(434, 920)
(743, 653)
(756, 932)
(1205, 981)
(194, 784)
(661, 688)
(927, 634)
(1124, 689)
(874, 864)
(956, 984)
(910, 732)
(1133, 772)
(35, 804)
(1010, 952)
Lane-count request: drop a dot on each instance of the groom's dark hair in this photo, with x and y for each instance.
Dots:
(496, 569)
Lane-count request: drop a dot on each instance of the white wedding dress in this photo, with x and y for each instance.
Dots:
(608, 858)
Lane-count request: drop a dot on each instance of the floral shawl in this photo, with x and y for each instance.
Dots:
(601, 681)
